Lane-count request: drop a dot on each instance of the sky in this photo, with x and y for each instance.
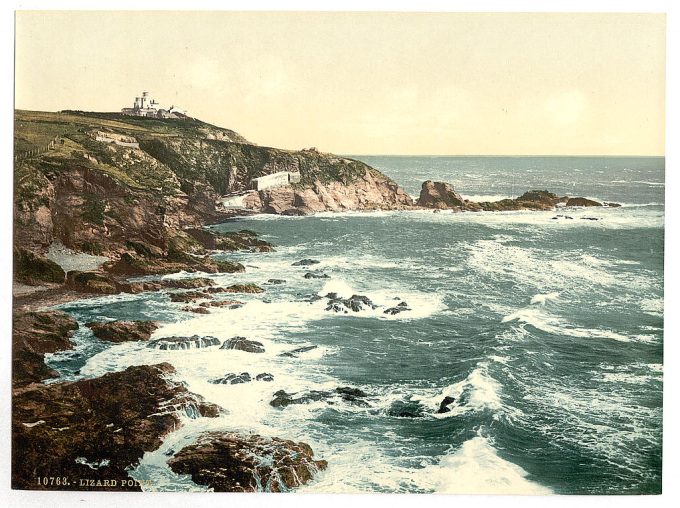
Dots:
(365, 83)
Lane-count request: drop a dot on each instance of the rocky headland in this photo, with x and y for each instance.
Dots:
(142, 210)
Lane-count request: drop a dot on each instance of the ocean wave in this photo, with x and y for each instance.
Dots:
(476, 468)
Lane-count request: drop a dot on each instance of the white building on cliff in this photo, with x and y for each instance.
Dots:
(144, 105)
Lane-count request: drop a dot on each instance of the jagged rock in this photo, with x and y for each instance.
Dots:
(306, 262)
(33, 335)
(444, 405)
(439, 195)
(401, 307)
(582, 202)
(316, 275)
(243, 344)
(174, 343)
(97, 428)
(296, 352)
(232, 379)
(406, 409)
(233, 462)
(264, 377)
(355, 303)
(123, 331)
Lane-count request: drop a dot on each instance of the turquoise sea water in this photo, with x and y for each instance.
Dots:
(547, 331)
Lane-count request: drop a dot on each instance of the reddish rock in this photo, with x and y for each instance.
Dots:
(96, 428)
(123, 331)
(582, 202)
(439, 195)
(233, 462)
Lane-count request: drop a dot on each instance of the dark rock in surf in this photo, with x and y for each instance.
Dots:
(232, 379)
(306, 262)
(355, 303)
(265, 376)
(316, 275)
(403, 306)
(589, 218)
(276, 281)
(348, 394)
(175, 343)
(294, 353)
(123, 331)
(582, 202)
(243, 344)
(444, 405)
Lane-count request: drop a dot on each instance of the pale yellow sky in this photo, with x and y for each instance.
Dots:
(366, 83)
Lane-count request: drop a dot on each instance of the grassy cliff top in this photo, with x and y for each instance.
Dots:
(35, 129)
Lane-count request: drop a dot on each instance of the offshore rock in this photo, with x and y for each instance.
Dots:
(355, 303)
(193, 342)
(348, 394)
(439, 195)
(401, 307)
(316, 275)
(582, 202)
(444, 405)
(243, 344)
(123, 331)
(232, 462)
(232, 379)
(97, 428)
(294, 353)
(306, 262)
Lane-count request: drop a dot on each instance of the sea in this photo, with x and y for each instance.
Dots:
(546, 328)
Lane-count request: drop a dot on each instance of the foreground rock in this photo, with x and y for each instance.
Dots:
(97, 428)
(236, 463)
(33, 335)
(32, 268)
(175, 343)
(123, 331)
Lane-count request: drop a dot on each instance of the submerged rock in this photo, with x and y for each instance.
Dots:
(306, 262)
(123, 331)
(97, 428)
(444, 405)
(276, 281)
(232, 379)
(243, 344)
(294, 353)
(406, 409)
(193, 342)
(230, 462)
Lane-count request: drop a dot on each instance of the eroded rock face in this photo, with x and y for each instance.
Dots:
(439, 195)
(233, 462)
(123, 331)
(33, 335)
(174, 343)
(96, 428)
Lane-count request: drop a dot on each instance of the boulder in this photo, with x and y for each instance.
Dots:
(264, 376)
(439, 195)
(123, 331)
(401, 307)
(243, 344)
(355, 303)
(230, 462)
(316, 275)
(244, 288)
(306, 262)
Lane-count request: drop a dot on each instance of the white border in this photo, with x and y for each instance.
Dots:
(131, 500)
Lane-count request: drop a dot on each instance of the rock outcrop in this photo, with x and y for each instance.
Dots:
(243, 344)
(96, 428)
(439, 195)
(175, 343)
(33, 335)
(233, 462)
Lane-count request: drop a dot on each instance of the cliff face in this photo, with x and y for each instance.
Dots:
(93, 195)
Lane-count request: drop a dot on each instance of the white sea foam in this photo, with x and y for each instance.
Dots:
(476, 468)
(540, 299)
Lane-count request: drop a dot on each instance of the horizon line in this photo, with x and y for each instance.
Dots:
(500, 155)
